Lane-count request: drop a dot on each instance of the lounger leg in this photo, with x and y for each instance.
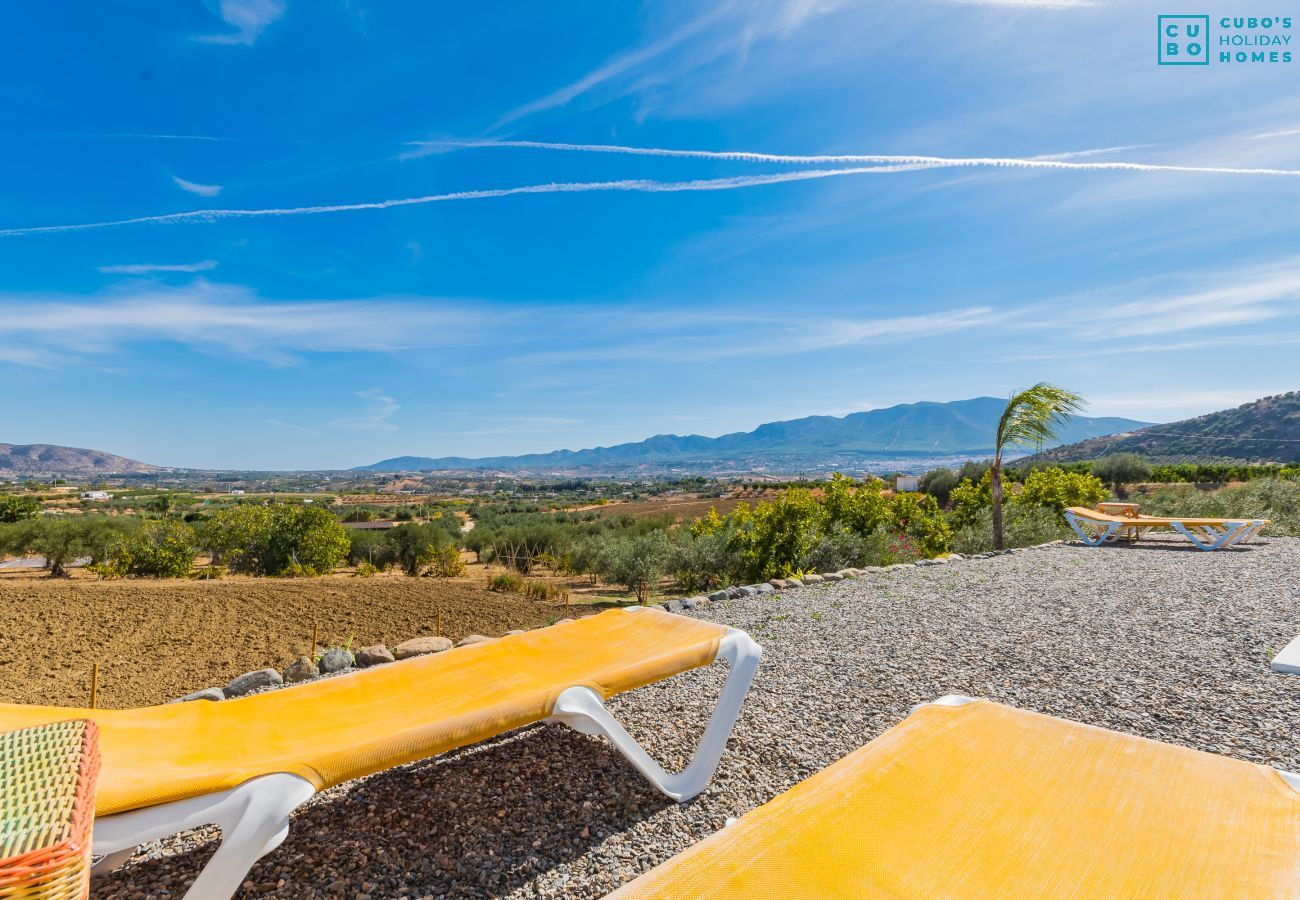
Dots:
(583, 710)
(254, 820)
(1077, 524)
(1232, 531)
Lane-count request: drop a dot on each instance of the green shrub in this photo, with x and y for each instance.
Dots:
(1058, 490)
(163, 549)
(364, 570)
(16, 509)
(277, 540)
(1275, 499)
(1023, 526)
(1118, 469)
(703, 561)
(939, 484)
(507, 583)
(839, 549)
(445, 563)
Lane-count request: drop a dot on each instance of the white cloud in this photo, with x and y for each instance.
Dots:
(626, 185)
(1027, 4)
(203, 190)
(289, 426)
(151, 268)
(249, 17)
(871, 164)
(1047, 161)
(614, 68)
(379, 409)
(228, 320)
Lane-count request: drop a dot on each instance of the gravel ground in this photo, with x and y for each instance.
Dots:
(1157, 640)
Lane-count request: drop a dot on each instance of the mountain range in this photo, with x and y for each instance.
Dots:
(924, 430)
(1266, 430)
(53, 461)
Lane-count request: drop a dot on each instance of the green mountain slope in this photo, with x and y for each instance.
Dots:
(1265, 431)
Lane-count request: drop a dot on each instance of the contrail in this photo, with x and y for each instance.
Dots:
(1005, 162)
(637, 185)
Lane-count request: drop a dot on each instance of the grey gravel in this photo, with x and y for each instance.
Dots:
(1157, 640)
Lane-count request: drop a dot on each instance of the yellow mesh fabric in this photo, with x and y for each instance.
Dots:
(987, 801)
(345, 727)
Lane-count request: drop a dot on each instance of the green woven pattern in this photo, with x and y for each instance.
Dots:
(39, 768)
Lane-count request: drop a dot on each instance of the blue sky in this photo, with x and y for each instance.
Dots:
(544, 293)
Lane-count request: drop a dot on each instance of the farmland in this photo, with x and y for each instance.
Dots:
(158, 639)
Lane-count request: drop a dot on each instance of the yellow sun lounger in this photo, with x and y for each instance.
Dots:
(245, 764)
(969, 798)
(1095, 528)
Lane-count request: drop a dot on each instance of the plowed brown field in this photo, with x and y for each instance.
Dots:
(157, 640)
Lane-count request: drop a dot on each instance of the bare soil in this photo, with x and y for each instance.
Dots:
(157, 640)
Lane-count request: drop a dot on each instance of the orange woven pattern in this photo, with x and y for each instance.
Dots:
(341, 728)
(47, 809)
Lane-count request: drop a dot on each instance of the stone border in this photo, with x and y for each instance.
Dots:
(780, 585)
(341, 661)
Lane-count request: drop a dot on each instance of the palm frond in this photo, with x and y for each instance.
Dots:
(1033, 416)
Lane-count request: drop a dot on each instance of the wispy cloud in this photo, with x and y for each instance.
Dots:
(627, 185)
(866, 164)
(615, 67)
(289, 426)
(1051, 161)
(227, 320)
(1027, 4)
(113, 135)
(249, 17)
(151, 268)
(379, 409)
(203, 190)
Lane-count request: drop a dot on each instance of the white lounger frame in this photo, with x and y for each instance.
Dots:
(1211, 537)
(254, 817)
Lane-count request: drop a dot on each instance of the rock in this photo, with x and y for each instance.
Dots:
(470, 640)
(213, 693)
(832, 576)
(734, 592)
(674, 606)
(301, 669)
(897, 566)
(335, 659)
(718, 596)
(777, 583)
(765, 588)
(252, 681)
(374, 656)
(957, 557)
(420, 646)
(932, 562)
(513, 631)
(791, 583)
(813, 578)
(691, 602)
(847, 573)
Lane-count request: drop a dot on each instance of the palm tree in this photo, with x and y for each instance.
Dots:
(1031, 419)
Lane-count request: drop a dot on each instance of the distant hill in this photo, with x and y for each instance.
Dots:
(1267, 430)
(52, 461)
(962, 427)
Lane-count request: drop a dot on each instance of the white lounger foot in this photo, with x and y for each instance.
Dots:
(582, 710)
